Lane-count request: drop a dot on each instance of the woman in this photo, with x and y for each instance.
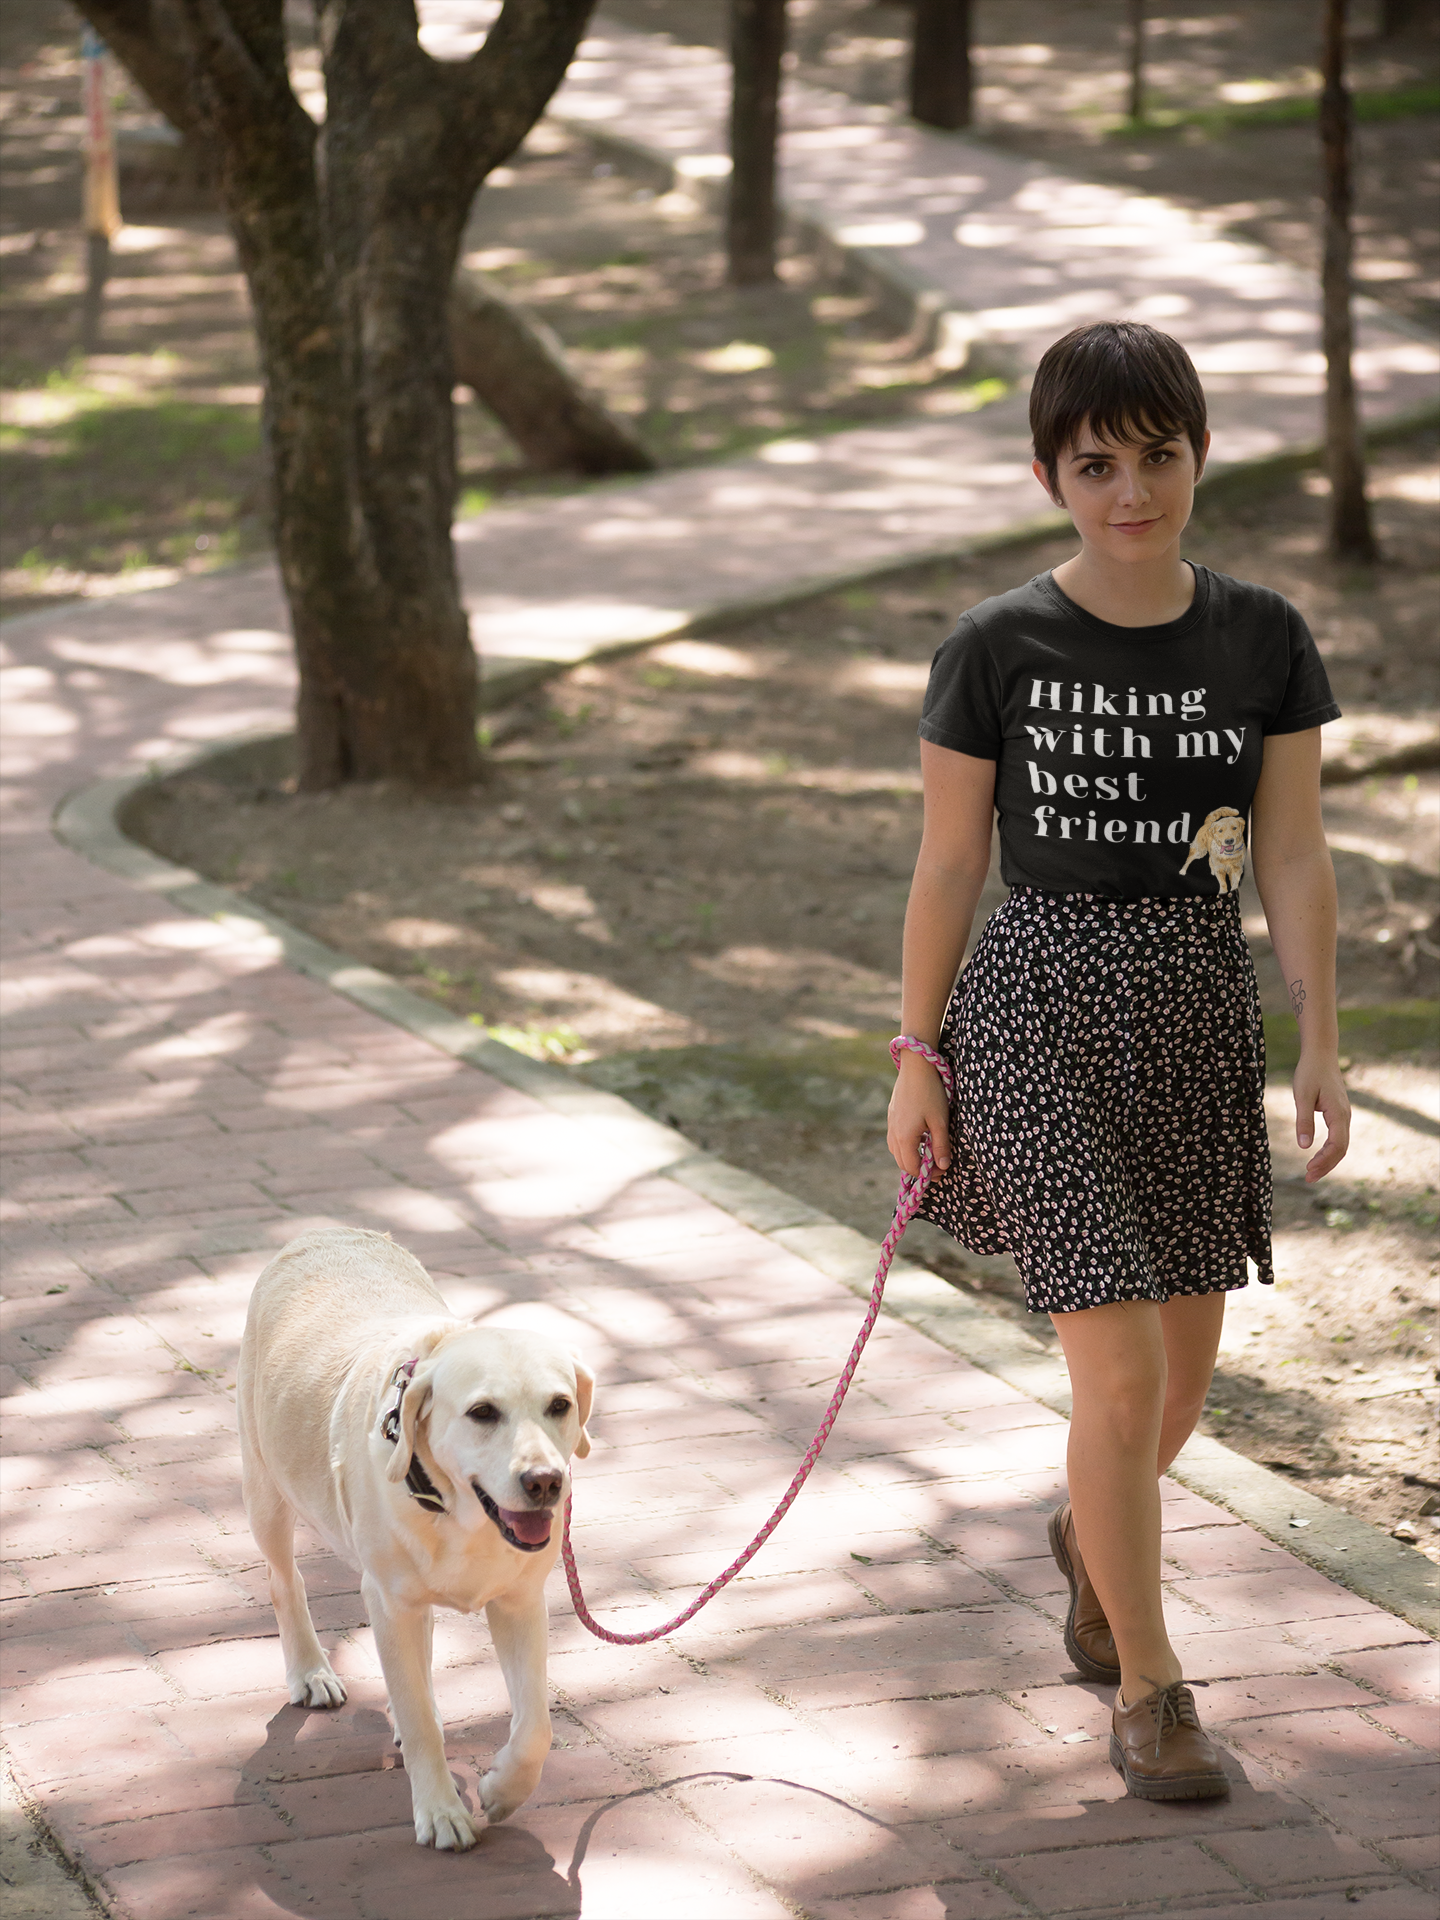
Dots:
(1124, 717)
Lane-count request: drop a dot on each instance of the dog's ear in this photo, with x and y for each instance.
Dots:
(584, 1400)
(414, 1406)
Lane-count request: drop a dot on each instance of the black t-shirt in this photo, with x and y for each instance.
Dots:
(1127, 757)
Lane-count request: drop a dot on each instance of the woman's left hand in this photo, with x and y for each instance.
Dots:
(1320, 1087)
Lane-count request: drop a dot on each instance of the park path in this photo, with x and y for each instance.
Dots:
(878, 1722)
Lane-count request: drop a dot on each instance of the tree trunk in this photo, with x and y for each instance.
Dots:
(517, 369)
(348, 236)
(1351, 535)
(940, 81)
(1137, 61)
(757, 47)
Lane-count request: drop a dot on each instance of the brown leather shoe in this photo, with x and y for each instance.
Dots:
(1160, 1748)
(1088, 1639)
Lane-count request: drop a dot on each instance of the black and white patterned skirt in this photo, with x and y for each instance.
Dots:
(1108, 1126)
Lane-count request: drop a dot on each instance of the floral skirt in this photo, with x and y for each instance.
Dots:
(1108, 1125)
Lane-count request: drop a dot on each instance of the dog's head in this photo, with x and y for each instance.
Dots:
(495, 1415)
(1223, 834)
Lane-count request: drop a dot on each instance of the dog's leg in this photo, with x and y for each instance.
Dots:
(402, 1639)
(311, 1679)
(518, 1628)
(429, 1662)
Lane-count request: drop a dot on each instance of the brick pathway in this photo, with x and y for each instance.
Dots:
(874, 1724)
(878, 1723)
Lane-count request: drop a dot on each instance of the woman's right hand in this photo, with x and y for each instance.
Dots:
(918, 1106)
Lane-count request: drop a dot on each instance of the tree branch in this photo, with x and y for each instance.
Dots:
(497, 95)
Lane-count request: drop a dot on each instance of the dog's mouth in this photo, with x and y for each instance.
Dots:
(527, 1531)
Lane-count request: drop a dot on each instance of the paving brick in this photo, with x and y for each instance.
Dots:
(1418, 1724)
(235, 1884)
(948, 1900)
(1291, 1857)
(1362, 1629)
(970, 1725)
(1254, 1697)
(1376, 1802)
(1407, 1672)
(1020, 1823)
(76, 1696)
(647, 1721)
(1341, 1902)
(122, 1843)
(1104, 1880)
(1228, 1653)
(810, 1847)
(1294, 1593)
(1338, 1742)
(1420, 1854)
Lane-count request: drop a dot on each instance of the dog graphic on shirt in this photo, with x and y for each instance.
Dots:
(1222, 838)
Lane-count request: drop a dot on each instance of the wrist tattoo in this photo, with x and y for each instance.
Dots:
(1297, 997)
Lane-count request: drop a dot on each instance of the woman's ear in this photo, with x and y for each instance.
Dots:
(584, 1400)
(1037, 467)
(1204, 454)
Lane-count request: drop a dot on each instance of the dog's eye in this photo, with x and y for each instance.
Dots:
(484, 1415)
(558, 1407)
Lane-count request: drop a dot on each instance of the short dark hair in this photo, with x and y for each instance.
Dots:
(1127, 380)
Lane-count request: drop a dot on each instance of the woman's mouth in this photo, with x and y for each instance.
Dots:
(1134, 526)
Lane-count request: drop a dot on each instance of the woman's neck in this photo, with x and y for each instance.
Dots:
(1137, 596)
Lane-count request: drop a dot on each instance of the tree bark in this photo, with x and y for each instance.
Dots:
(757, 48)
(517, 369)
(1137, 61)
(348, 235)
(940, 78)
(1352, 536)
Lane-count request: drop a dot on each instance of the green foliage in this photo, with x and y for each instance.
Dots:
(116, 485)
(1391, 103)
(1366, 1033)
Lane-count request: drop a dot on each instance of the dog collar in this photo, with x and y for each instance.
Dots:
(421, 1487)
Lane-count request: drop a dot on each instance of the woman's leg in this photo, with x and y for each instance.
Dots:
(1192, 1325)
(1117, 1356)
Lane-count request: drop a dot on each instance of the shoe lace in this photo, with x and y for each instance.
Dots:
(1174, 1707)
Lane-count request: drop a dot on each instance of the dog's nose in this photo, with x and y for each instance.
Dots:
(542, 1485)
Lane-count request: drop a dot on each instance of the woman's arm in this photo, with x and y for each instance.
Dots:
(949, 873)
(1296, 879)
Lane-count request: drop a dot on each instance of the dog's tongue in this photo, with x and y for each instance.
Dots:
(532, 1528)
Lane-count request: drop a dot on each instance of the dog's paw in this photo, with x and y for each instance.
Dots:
(320, 1688)
(447, 1827)
(500, 1796)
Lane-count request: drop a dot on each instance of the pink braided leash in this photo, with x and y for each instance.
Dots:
(906, 1207)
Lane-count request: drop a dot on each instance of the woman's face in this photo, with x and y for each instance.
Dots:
(1130, 501)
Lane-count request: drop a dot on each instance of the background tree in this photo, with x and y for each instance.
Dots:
(1136, 49)
(348, 234)
(1352, 536)
(940, 77)
(517, 369)
(757, 48)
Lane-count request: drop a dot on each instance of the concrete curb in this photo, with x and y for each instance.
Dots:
(1349, 1551)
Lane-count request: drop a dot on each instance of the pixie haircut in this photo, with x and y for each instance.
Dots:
(1127, 381)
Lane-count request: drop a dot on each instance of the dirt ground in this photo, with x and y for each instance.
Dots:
(686, 875)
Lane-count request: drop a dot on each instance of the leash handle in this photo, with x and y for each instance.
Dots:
(907, 1205)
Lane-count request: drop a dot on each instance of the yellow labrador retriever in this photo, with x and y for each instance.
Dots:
(432, 1455)
(1222, 840)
